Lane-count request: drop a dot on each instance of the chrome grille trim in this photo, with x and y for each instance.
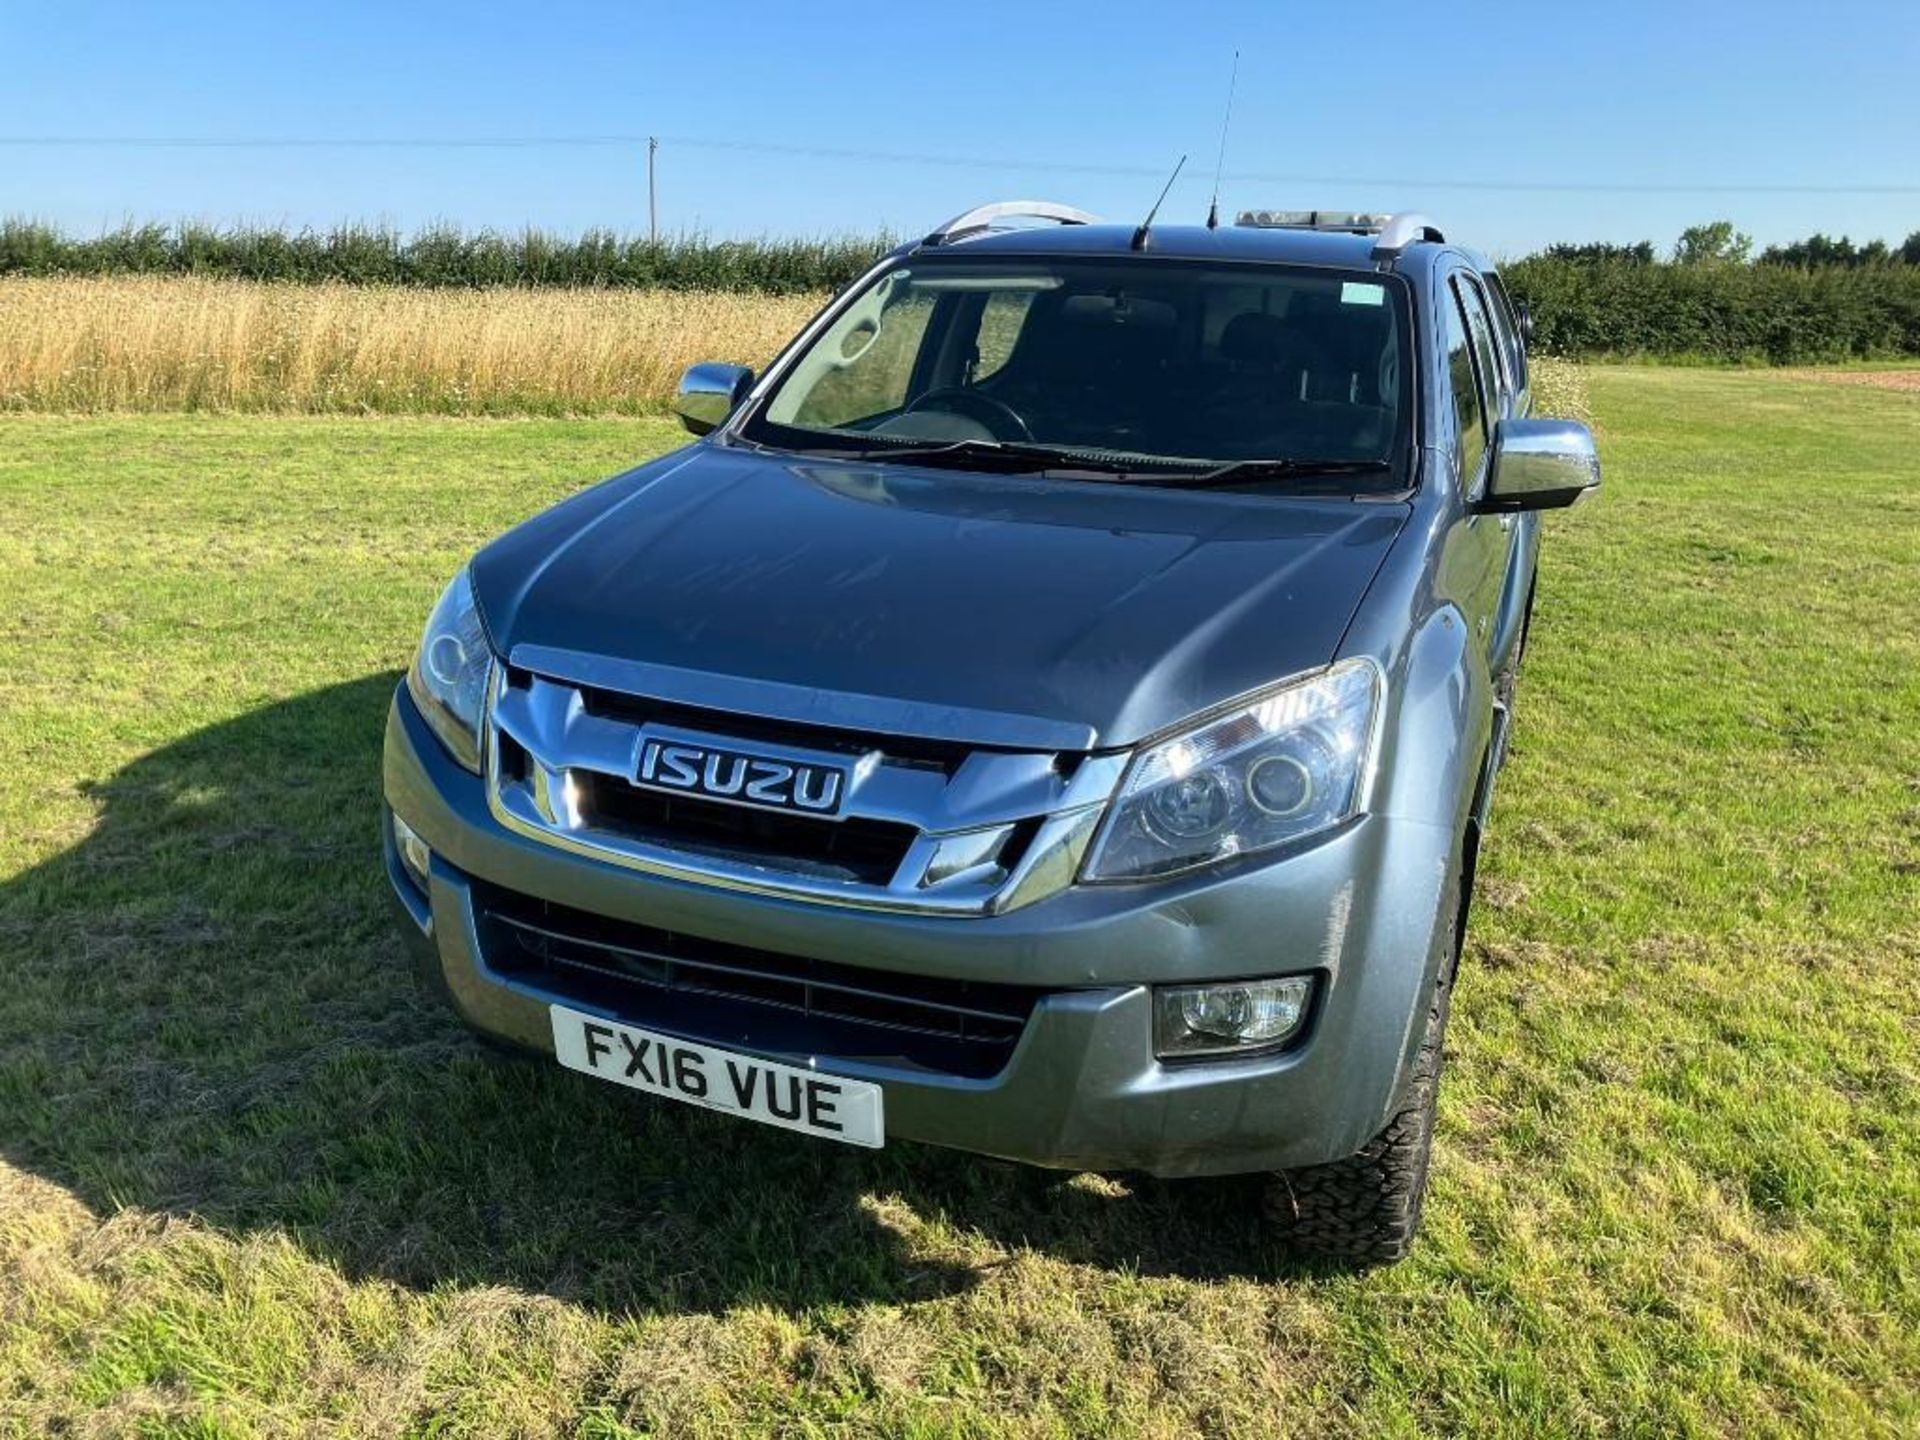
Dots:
(964, 822)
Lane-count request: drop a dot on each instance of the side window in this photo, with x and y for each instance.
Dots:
(1512, 347)
(1001, 319)
(1493, 380)
(1470, 418)
(862, 367)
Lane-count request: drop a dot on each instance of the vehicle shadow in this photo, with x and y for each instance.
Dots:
(208, 1012)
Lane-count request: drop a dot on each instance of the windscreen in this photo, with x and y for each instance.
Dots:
(1169, 361)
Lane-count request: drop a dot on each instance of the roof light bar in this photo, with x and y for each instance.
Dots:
(1348, 221)
(1396, 232)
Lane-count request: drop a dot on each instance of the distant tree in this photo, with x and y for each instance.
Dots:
(1714, 243)
(1818, 251)
(1814, 250)
(1601, 253)
(1909, 251)
(1822, 251)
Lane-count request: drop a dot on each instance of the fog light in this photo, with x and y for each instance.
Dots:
(1227, 1019)
(414, 853)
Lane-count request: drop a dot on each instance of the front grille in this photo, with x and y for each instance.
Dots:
(924, 826)
(942, 755)
(731, 995)
(864, 851)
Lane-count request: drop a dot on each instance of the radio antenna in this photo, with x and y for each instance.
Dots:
(1140, 235)
(1213, 210)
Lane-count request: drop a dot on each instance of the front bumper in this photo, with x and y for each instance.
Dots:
(1082, 1088)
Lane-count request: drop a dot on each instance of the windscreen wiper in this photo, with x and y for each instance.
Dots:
(1008, 455)
(1014, 456)
(1240, 472)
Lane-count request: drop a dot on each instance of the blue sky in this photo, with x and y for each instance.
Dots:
(1617, 94)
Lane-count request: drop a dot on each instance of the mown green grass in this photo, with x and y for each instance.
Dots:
(249, 1184)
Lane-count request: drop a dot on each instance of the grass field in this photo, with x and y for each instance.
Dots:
(250, 1186)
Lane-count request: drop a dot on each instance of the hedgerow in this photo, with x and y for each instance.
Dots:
(1587, 300)
(442, 256)
(1780, 314)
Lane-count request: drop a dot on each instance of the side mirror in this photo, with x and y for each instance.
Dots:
(1523, 321)
(1540, 465)
(708, 394)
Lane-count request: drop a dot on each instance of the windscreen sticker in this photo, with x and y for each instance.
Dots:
(1354, 292)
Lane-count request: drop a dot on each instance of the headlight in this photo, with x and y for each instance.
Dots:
(448, 679)
(1278, 769)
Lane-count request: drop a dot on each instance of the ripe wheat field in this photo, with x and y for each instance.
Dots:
(147, 343)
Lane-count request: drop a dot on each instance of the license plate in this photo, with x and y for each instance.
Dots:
(805, 1100)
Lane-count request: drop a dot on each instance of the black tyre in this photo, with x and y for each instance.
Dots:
(1364, 1210)
(1505, 684)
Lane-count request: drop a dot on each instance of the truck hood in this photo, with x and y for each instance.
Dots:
(1002, 610)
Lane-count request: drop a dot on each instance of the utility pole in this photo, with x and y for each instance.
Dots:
(653, 202)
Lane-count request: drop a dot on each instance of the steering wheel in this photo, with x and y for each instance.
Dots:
(996, 415)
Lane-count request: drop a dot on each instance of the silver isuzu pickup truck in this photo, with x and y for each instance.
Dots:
(1053, 712)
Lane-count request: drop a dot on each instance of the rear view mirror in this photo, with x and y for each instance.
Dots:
(1540, 465)
(1523, 322)
(708, 394)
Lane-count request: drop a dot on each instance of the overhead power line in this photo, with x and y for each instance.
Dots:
(898, 157)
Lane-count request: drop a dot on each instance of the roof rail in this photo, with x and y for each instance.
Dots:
(1400, 231)
(981, 217)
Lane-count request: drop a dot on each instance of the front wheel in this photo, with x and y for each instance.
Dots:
(1508, 680)
(1365, 1209)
